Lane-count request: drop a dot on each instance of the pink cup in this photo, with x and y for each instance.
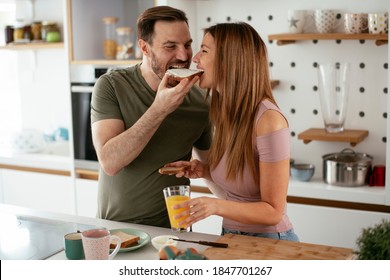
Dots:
(378, 176)
(96, 243)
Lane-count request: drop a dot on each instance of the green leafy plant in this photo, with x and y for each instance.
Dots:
(374, 242)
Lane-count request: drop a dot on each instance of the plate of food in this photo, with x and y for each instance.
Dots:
(132, 239)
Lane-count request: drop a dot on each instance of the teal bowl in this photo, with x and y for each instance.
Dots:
(302, 171)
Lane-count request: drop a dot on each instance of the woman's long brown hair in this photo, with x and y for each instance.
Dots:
(242, 79)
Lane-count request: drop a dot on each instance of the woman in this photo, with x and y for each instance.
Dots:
(250, 153)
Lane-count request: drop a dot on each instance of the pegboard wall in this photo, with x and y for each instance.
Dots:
(295, 66)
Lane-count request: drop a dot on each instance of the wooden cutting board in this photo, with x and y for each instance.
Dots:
(257, 248)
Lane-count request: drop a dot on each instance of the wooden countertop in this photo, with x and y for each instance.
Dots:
(257, 248)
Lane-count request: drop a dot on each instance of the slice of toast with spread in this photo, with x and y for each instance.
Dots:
(128, 240)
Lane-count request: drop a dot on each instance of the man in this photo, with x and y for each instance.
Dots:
(140, 123)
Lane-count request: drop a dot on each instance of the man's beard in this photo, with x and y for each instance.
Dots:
(157, 68)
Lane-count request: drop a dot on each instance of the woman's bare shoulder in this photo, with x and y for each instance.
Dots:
(270, 121)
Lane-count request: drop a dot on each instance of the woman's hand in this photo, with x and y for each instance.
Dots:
(194, 169)
(199, 209)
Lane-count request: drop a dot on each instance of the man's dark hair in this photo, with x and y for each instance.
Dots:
(147, 19)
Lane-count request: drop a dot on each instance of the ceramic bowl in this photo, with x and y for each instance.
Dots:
(302, 171)
(160, 241)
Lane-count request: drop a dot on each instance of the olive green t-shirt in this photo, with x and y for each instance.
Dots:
(135, 193)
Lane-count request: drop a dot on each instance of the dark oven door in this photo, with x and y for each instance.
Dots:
(84, 152)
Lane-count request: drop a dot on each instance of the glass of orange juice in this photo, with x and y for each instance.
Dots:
(176, 195)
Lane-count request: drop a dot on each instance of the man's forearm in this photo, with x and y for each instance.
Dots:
(121, 150)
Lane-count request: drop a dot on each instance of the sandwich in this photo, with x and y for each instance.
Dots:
(128, 240)
(178, 74)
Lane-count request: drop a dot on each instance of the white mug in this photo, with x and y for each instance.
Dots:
(325, 20)
(377, 23)
(296, 20)
(355, 23)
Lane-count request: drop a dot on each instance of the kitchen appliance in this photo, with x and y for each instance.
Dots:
(347, 168)
(83, 79)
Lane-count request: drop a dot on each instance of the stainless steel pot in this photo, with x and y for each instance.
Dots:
(346, 168)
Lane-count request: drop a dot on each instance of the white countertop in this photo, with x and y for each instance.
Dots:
(316, 188)
(55, 156)
(148, 252)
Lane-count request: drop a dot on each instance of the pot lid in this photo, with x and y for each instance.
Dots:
(348, 156)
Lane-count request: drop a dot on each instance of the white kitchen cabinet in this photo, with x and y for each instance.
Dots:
(86, 197)
(331, 226)
(38, 190)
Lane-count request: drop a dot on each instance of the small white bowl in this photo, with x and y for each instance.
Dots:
(160, 241)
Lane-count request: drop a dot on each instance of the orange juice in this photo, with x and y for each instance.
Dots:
(173, 200)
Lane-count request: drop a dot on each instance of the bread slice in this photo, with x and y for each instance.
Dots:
(128, 240)
(181, 73)
(178, 74)
(172, 170)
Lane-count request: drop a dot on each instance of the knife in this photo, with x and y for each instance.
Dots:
(207, 243)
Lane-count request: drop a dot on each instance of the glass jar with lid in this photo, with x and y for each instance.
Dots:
(19, 33)
(50, 31)
(125, 44)
(36, 30)
(109, 43)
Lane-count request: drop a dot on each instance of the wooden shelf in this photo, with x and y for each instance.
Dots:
(291, 38)
(354, 137)
(32, 46)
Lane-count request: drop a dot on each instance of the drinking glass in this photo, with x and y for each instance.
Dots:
(176, 195)
(334, 88)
